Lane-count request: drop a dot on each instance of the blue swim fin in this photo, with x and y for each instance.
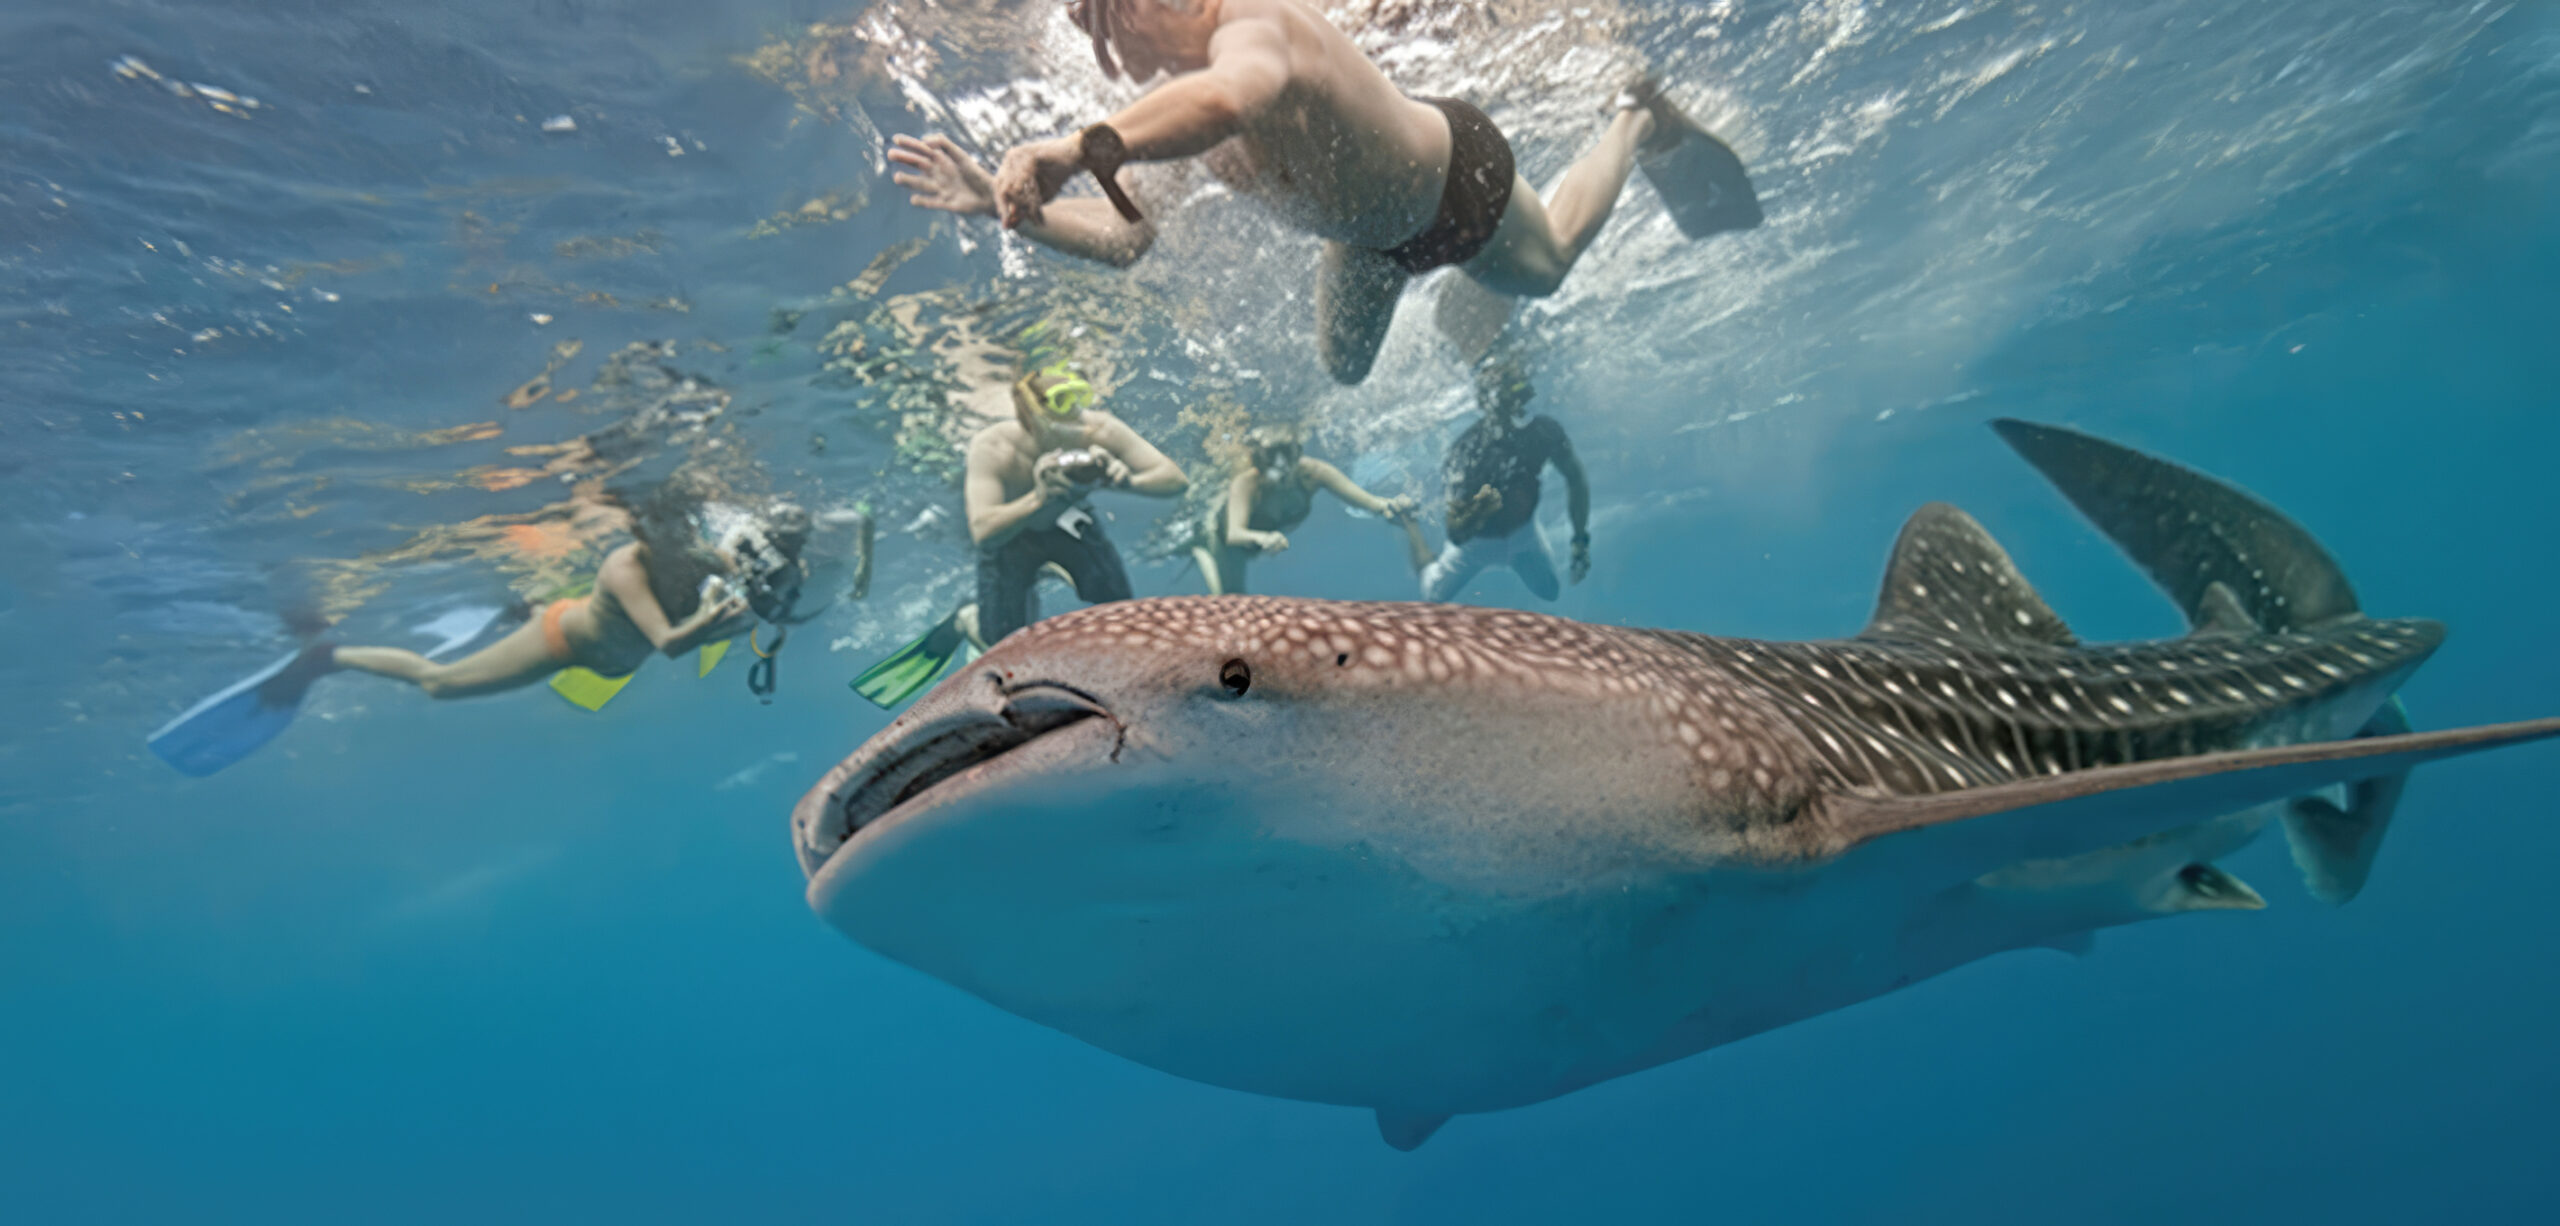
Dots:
(231, 725)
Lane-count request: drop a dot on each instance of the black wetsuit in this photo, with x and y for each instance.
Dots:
(1510, 462)
(1008, 574)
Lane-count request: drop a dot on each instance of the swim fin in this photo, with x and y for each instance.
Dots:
(588, 688)
(231, 725)
(908, 670)
(1701, 180)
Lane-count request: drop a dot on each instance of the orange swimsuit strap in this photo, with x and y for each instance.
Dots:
(553, 637)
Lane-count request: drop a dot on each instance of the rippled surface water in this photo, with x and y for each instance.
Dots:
(304, 309)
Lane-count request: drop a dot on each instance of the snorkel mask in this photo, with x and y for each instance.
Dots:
(1275, 452)
(1057, 391)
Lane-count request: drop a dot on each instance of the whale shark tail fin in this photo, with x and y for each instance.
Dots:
(2192, 533)
(2236, 566)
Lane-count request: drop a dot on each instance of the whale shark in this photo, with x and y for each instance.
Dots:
(1432, 860)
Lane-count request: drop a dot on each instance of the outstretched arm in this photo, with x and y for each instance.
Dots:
(1151, 472)
(943, 176)
(1241, 493)
(627, 580)
(1331, 478)
(1185, 117)
(1398, 510)
(1190, 114)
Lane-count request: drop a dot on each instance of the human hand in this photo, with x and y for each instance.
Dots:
(1271, 542)
(1581, 565)
(1477, 508)
(1051, 478)
(1398, 509)
(1115, 474)
(1032, 175)
(944, 176)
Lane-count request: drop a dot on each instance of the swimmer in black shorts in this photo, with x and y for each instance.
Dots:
(1027, 483)
(1283, 107)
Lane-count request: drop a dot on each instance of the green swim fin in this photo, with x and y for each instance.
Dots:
(588, 689)
(909, 669)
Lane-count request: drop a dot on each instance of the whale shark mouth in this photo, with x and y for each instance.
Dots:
(874, 785)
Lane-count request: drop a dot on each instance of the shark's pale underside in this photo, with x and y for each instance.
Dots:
(1430, 859)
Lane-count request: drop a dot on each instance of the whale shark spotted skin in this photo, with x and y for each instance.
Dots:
(1431, 859)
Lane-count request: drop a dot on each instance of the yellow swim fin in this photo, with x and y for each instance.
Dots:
(711, 654)
(587, 689)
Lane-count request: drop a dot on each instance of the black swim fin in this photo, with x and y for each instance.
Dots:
(1701, 180)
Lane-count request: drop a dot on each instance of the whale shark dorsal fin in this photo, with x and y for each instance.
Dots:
(1963, 834)
(1949, 578)
(1407, 1131)
(2219, 612)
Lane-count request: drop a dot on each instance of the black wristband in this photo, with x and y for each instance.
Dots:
(1582, 540)
(1099, 149)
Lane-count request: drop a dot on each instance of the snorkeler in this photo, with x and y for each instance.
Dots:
(667, 592)
(1025, 495)
(1492, 474)
(1271, 497)
(1282, 106)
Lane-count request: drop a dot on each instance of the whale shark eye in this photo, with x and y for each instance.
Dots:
(1235, 677)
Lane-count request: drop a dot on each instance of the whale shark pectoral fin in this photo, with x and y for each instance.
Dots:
(1960, 835)
(2335, 834)
(1405, 1131)
(2207, 887)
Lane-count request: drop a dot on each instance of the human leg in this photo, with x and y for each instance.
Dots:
(521, 658)
(1008, 598)
(1092, 564)
(1221, 567)
(1448, 575)
(1534, 561)
(1540, 240)
(1356, 292)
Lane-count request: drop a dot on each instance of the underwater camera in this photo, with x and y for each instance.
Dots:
(771, 582)
(1084, 466)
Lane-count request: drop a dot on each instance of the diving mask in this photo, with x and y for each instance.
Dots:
(1068, 393)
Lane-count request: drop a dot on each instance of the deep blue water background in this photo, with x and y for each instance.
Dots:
(499, 961)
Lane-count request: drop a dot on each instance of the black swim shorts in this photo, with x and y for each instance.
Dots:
(1471, 202)
(1009, 573)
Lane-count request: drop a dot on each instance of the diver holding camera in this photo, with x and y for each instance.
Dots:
(1026, 490)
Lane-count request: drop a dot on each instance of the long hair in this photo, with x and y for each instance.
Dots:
(672, 550)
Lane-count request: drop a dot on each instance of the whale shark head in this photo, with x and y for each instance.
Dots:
(1158, 825)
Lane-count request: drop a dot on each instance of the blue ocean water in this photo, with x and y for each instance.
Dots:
(505, 960)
